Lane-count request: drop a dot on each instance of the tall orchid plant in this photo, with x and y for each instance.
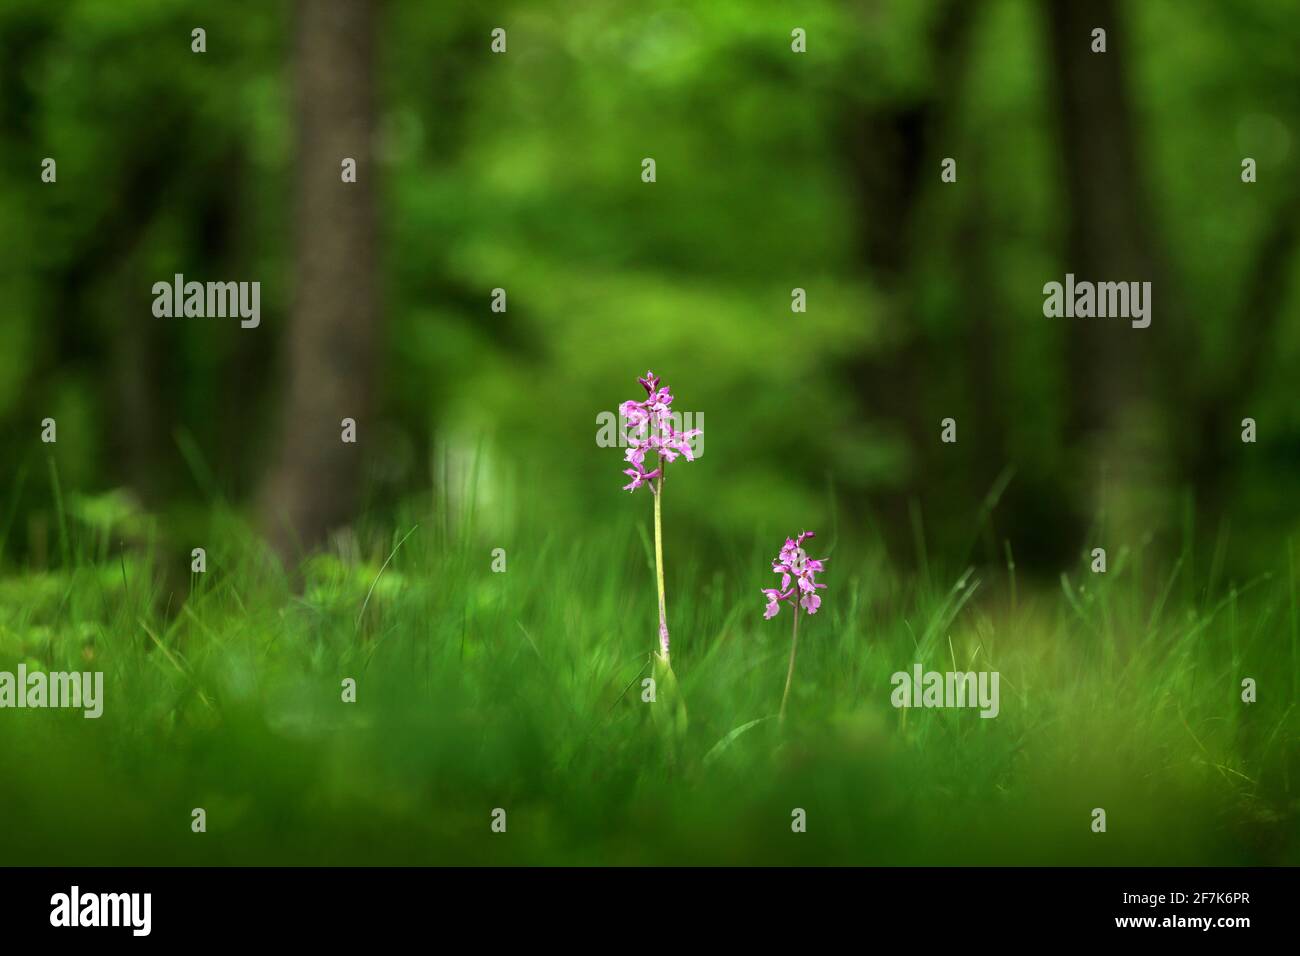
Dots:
(650, 429)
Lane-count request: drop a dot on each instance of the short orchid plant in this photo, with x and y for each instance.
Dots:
(650, 429)
(799, 587)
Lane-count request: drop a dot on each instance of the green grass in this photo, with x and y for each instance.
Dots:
(521, 690)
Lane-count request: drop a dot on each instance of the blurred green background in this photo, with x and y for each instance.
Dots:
(775, 170)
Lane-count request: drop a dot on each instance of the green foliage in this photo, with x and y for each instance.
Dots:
(521, 690)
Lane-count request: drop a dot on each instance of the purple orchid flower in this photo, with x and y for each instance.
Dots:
(794, 566)
(640, 477)
(650, 429)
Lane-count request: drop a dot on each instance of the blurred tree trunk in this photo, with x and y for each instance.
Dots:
(1213, 452)
(892, 153)
(140, 376)
(333, 335)
(1111, 429)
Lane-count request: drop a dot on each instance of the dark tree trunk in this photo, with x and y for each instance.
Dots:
(1112, 368)
(333, 334)
(892, 153)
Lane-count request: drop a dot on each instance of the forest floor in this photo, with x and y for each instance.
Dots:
(522, 691)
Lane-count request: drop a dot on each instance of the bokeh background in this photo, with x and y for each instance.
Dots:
(774, 171)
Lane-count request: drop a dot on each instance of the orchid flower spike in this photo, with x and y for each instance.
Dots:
(649, 428)
(799, 587)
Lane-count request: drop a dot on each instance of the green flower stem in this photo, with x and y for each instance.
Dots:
(659, 569)
(794, 646)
